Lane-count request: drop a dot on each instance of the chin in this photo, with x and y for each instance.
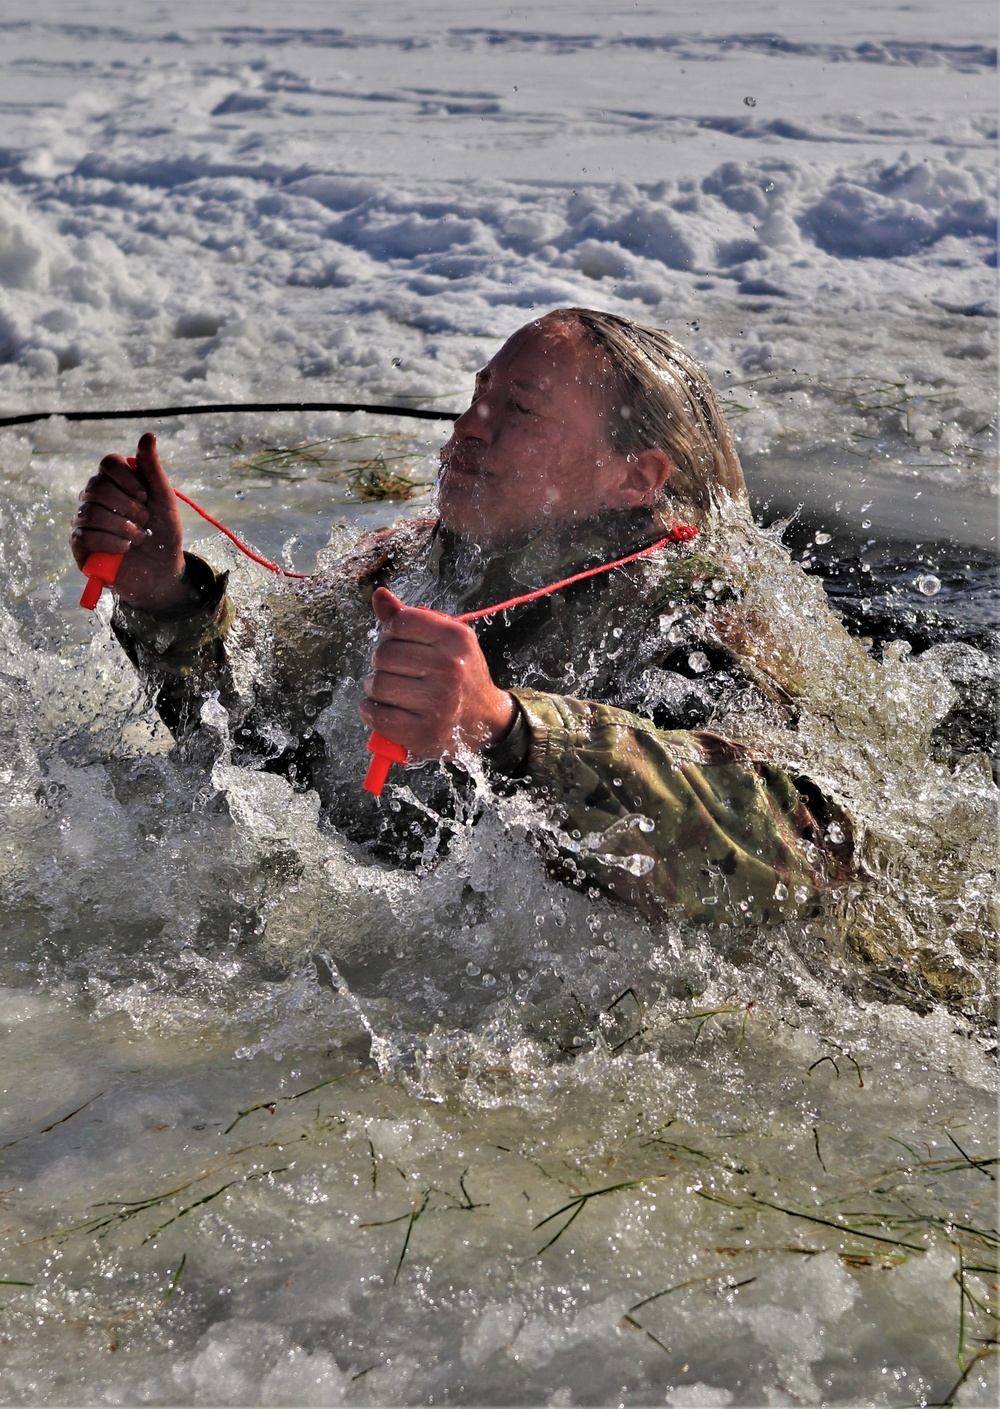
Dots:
(459, 511)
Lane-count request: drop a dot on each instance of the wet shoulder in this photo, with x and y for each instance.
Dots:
(319, 622)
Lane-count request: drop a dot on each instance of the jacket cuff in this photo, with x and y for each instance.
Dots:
(174, 637)
(544, 732)
(509, 755)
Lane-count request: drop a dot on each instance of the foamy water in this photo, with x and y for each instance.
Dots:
(284, 1126)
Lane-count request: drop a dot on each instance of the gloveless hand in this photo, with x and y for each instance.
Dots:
(430, 688)
(129, 507)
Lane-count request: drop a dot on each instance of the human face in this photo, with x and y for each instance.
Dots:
(530, 450)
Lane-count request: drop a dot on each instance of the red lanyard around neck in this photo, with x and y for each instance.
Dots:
(101, 569)
(385, 752)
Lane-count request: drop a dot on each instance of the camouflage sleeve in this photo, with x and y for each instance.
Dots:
(181, 655)
(681, 822)
(272, 670)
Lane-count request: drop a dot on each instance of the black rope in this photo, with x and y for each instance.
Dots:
(149, 413)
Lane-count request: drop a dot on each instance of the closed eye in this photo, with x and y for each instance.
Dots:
(524, 410)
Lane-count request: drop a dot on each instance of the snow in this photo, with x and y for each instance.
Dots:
(329, 201)
(361, 203)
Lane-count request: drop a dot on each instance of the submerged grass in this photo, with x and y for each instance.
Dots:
(877, 1220)
(372, 475)
(272, 1105)
(890, 412)
(53, 1125)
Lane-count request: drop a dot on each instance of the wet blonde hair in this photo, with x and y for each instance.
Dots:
(659, 397)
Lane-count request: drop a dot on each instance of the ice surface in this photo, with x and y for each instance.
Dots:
(219, 211)
(280, 1126)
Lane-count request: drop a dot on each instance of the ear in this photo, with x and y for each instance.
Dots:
(643, 476)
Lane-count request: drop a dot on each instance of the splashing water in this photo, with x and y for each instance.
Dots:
(284, 1125)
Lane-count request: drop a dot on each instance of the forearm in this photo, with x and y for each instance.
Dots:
(180, 653)
(680, 821)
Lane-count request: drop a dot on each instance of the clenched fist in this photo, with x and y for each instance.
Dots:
(430, 688)
(129, 507)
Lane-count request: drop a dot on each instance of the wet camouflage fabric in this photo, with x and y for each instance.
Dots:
(616, 680)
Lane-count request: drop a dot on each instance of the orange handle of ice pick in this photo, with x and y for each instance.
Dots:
(100, 570)
(384, 754)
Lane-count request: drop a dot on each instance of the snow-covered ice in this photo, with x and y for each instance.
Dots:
(361, 201)
(330, 201)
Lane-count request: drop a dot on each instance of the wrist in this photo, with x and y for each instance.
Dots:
(502, 718)
(185, 591)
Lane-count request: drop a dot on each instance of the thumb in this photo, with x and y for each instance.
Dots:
(147, 463)
(385, 604)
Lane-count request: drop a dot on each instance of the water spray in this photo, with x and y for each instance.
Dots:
(101, 569)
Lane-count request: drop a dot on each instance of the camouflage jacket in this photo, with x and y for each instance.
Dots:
(615, 678)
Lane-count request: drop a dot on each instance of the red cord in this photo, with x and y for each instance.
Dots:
(384, 752)
(680, 533)
(264, 562)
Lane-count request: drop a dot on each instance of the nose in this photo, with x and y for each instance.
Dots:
(475, 423)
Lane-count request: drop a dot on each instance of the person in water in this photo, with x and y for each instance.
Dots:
(588, 438)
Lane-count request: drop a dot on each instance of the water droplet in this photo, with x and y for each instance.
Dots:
(866, 523)
(750, 102)
(801, 894)
(780, 891)
(473, 970)
(645, 824)
(835, 834)
(698, 661)
(821, 538)
(617, 633)
(928, 584)
(638, 865)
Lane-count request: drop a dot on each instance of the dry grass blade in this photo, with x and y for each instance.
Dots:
(207, 1199)
(47, 1128)
(843, 1228)
(949, 1398)
(409, 1231)
(705, 1015)
(370, 477)
(271, 1106)
(979, 1164)
(628, 1320)
(579, 1203)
